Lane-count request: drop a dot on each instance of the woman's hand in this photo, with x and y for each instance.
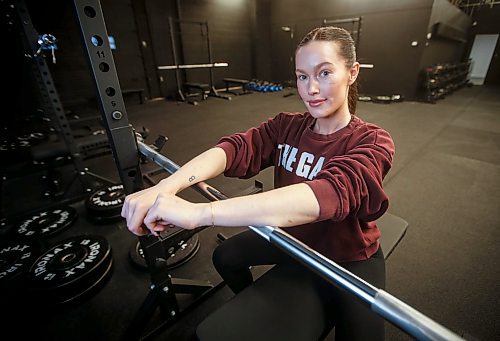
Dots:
(169, 209)
(137, 205)
(207, 165)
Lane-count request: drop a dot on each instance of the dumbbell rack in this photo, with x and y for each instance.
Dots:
(442, 79)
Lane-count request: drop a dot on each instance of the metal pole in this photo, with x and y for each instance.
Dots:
(389, 307)
(176, 60)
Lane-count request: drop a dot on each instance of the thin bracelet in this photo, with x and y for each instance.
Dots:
(212, 211)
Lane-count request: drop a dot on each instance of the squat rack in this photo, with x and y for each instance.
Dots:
(178, 65)
(34, 45)
(126, 149)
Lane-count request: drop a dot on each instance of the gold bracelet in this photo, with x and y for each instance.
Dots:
(212, 211)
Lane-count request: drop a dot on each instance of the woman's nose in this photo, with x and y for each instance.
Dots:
(313, 87)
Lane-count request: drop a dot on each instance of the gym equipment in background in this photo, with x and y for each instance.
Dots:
(202, 90)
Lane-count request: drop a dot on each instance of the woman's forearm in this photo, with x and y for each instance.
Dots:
(207, 165)
(288, 206)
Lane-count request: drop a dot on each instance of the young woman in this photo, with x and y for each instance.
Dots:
(329, 167)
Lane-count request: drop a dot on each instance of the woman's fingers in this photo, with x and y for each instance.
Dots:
(149, 212)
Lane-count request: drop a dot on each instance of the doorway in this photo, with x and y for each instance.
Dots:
(481, 54)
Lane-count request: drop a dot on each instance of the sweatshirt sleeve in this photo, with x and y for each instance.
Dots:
(352, 183)
(249, 152)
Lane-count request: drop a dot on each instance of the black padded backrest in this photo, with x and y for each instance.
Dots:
(392, 230)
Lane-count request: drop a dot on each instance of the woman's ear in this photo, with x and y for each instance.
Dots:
(353, 73)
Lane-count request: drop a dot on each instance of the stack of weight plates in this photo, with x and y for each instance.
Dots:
(71, 270)
(15, 259)
(105, 205)
(45, 223)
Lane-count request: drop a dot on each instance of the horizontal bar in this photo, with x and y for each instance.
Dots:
(325, 267)
(381, 302)
(366, 66)
(192, 66)
(341, 21)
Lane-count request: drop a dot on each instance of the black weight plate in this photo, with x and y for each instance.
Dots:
(15, 260)
(185, 252)
(71, 268)
(105, 203)
(106, 199)
(47, 222)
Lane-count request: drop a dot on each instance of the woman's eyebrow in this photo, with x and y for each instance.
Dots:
(319, 66)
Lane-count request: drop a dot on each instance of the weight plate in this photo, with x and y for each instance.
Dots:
(15, 259)
(185, 252)
(105, 205)
(47, 223)
(71, 268)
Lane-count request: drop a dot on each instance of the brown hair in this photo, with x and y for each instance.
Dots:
(347, 51)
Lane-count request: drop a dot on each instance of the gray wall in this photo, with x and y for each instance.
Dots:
(142, 36)
(443, 50)
(387, 30)
(247, 34)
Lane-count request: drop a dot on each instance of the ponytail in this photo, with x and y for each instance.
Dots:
(352, 97)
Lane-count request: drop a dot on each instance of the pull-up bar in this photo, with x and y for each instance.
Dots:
(192, 66)
(389, 307)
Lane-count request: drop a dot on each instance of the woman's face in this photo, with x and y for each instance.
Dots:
(323, 78)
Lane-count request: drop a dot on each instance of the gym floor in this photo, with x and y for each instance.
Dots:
(444, 182)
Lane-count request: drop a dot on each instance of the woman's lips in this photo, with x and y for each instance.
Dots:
(316, 102)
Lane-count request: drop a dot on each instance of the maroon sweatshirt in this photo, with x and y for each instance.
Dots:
(345, 170)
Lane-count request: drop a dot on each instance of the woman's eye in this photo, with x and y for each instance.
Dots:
(301, 77)
(325, 73)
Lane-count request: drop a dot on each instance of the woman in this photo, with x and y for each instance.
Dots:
(329, 168)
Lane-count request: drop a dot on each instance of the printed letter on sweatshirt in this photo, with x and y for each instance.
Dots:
(305, 162)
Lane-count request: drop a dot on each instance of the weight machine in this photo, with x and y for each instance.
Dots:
(204, 90)
(126, 148)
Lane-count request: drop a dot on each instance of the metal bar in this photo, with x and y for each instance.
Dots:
(176, 59)
(340, 21)
(381, 302)
(109, 95)
(124, 147)
(192, 66)
(209, 51)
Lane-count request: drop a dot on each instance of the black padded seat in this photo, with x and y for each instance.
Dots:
(278, 304)
(138, 92)
(202, 89)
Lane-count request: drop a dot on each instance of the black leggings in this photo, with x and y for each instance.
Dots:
(352, 319)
